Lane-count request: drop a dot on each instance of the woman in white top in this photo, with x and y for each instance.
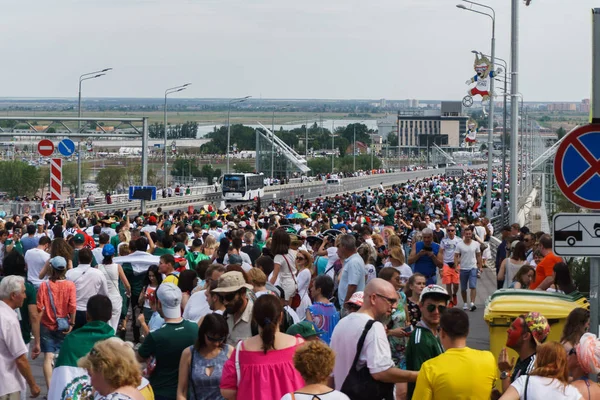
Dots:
(284, 263)
(315, 361)
(510, 266)
(548, 380)
(113, 273)
(304, 264)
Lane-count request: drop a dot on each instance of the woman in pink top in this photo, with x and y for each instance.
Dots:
(265, 367)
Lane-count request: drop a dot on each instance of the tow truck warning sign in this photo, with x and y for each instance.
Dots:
(576, 235)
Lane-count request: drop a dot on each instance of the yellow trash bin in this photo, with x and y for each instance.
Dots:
(505, 305)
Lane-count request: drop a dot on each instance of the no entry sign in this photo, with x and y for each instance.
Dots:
(45, 147)
(577, 166)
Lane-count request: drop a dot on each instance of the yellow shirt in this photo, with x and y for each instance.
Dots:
(174, 279)
(457, 374)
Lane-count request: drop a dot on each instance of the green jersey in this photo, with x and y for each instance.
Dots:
(159, 251)
(388, 220)
(136, 281)
(194, 257)
(422, 346)
(166, 344)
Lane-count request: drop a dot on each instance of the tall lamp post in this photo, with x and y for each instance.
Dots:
(488, 192)
(168, 92)
(84, 77)
(232, 101)
(504, 120)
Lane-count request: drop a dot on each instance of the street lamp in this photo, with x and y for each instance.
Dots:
(84, 77)
(503, 141)
(232, 101)
(168, 92)
(488, 192)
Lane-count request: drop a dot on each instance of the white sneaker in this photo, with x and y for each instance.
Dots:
(465, 307)
(473, 307)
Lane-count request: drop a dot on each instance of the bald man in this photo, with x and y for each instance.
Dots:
(380, 299)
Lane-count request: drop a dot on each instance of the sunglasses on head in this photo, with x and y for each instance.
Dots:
(431, 308)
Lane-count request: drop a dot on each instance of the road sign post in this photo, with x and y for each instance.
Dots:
(45, 147)
(56, 178)
(66, 147)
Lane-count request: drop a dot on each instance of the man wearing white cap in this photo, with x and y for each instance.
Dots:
(168, 342)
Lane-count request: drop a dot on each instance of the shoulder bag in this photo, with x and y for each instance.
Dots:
(359, 384)
(295, 300)
(63, 323)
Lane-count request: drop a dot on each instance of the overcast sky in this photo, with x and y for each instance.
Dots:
(346, 49)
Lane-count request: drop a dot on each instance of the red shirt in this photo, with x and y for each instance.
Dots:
(545, 268)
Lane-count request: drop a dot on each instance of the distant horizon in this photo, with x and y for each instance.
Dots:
(251, 100)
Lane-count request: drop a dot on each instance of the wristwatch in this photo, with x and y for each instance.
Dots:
(504, 375)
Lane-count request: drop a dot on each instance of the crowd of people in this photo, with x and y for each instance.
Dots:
(332, 298)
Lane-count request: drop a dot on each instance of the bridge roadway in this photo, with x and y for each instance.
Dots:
(202, 195)
(479, 337)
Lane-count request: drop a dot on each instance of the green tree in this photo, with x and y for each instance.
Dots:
(342, 145)
(185, 167)
(320, 165)
(17, 178)
(209, 173)
(560, 132)
(110, 177)
(69, 171)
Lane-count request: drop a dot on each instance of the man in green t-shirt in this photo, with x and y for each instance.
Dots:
(424, 342)
(168, 342)
(388, 214)
(194, 256)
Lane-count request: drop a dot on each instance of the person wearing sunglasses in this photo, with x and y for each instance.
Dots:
(460, 370)
(379, 301)
(424, 342)
(201, 365)
(231, 289)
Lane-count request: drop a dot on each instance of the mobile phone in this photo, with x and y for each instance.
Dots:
(427, 248)
(408, 329)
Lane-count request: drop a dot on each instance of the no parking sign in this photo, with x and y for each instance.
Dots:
(577, 166)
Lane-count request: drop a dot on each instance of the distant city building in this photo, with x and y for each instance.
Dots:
(561, 107)
(585, 106)
(412, 103)
(361, 148)
(443, 127)
(382, 103)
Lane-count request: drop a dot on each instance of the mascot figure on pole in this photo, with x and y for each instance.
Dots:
(483, 76)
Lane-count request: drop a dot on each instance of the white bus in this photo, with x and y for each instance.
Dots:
(242, 186)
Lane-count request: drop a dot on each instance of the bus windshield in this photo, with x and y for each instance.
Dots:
(234, 183)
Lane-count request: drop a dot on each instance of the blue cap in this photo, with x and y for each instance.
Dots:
(108, 250)
(59, 263)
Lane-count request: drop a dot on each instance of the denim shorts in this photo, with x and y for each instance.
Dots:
(468, 276)
(50, 341)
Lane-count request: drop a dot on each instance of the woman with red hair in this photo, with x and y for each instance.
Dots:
(548, 380)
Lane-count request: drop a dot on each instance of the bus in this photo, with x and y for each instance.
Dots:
(242, 187)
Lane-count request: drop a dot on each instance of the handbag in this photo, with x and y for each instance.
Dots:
(295, 300)
(359, 384)
(63, 323)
